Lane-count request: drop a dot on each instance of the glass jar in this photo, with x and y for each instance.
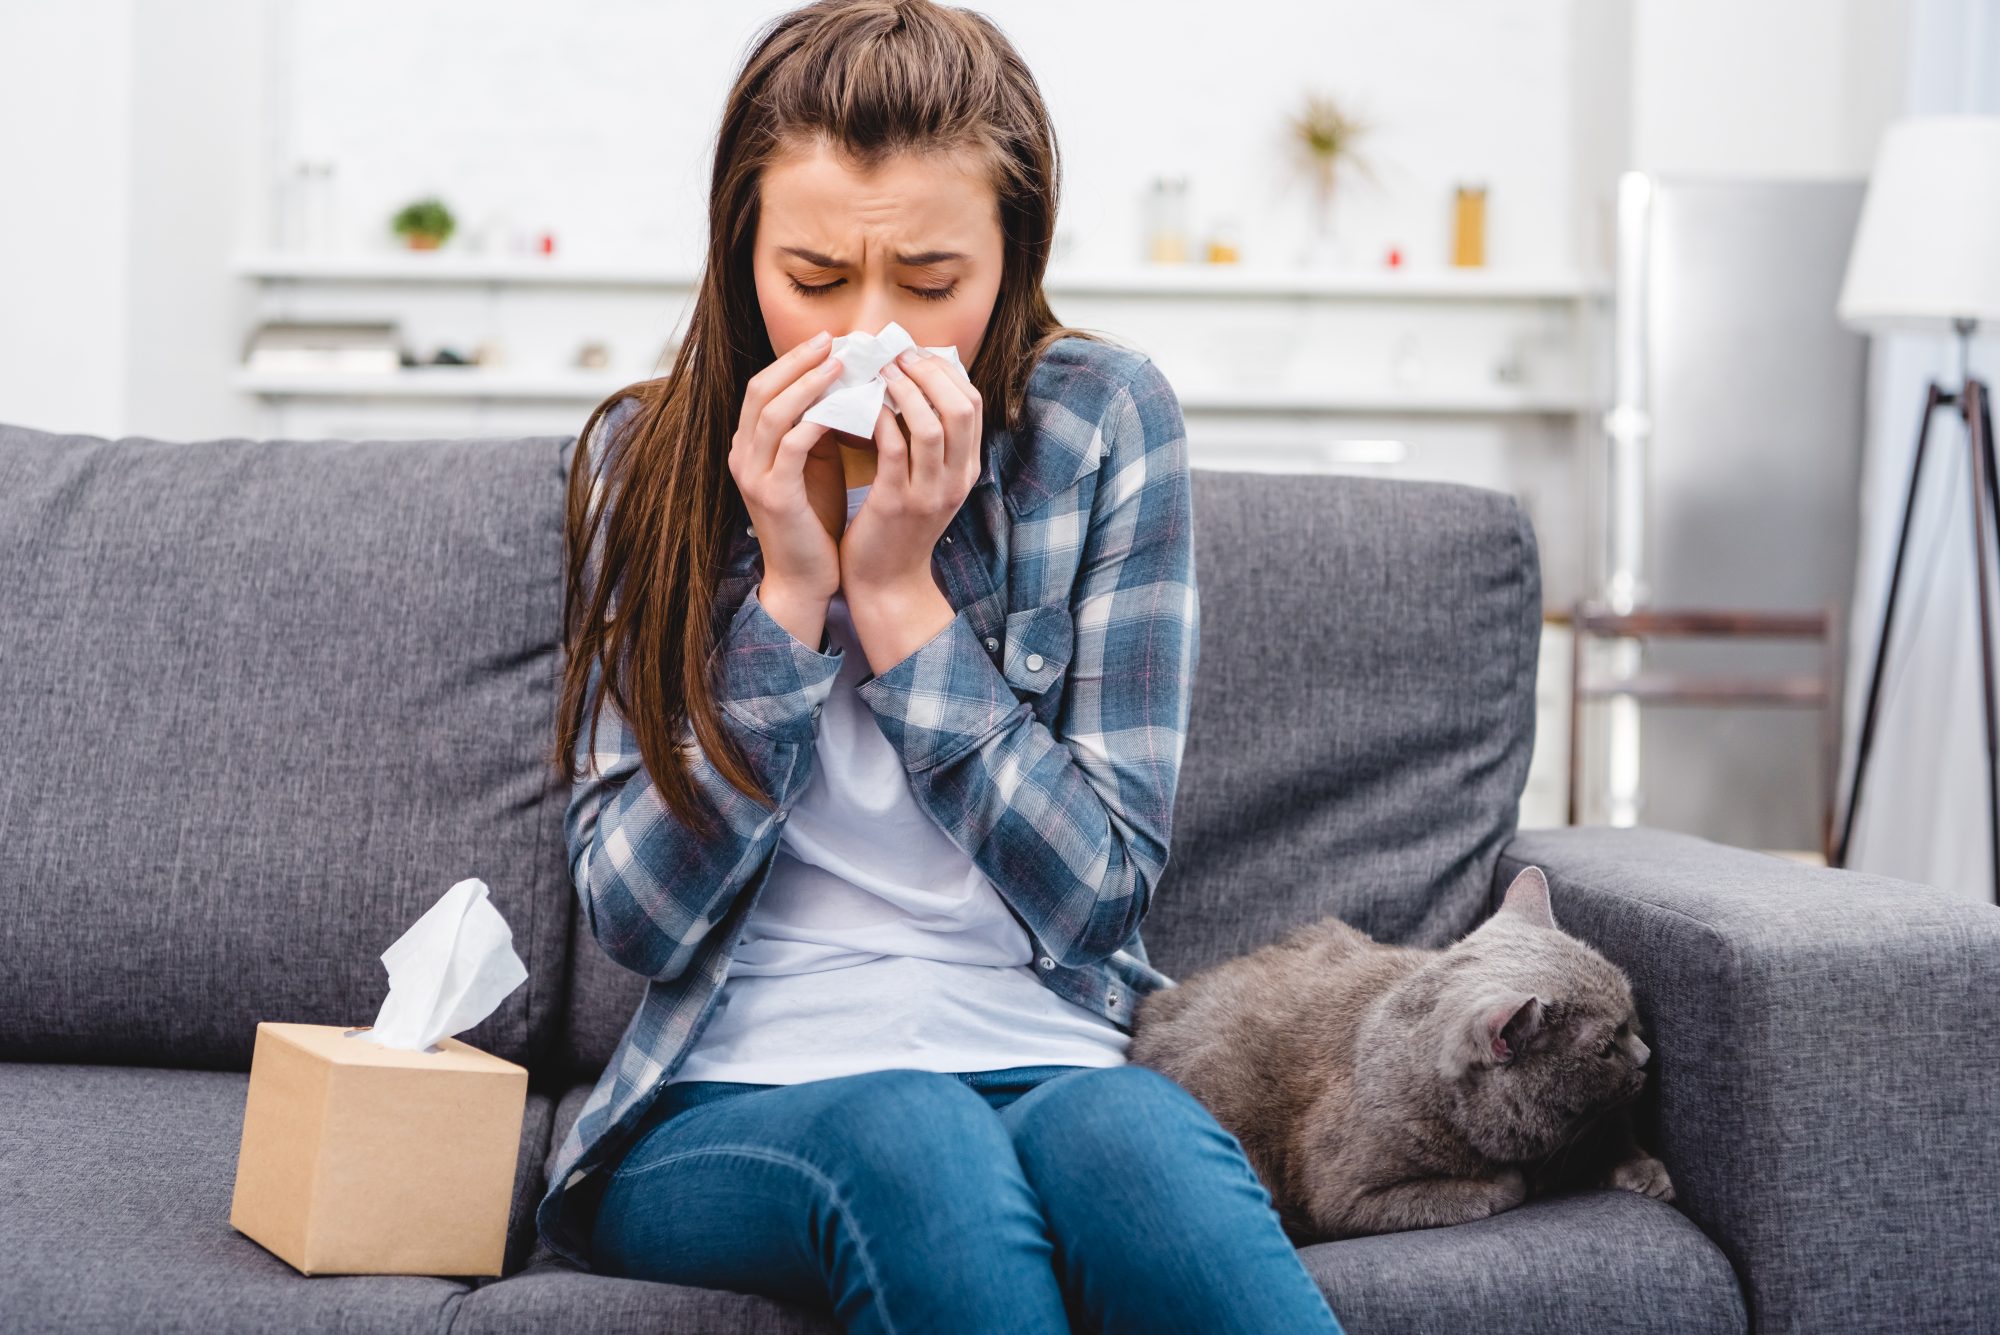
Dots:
(1468, 227)
(1166, 221)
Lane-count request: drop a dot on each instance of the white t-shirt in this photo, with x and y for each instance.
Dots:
(877, 942)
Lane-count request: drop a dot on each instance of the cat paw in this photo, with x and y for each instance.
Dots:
(1510, 1188)
(1645, 1175)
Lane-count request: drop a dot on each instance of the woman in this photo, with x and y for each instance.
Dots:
(875, 790)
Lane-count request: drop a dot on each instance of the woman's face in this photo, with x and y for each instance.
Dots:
(916, 241)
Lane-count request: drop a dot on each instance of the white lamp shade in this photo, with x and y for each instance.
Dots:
(1927, 249)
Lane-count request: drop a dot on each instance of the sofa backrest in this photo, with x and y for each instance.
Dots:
(1363, 718)
(265, 702)
(1364, 711)
(269, 700)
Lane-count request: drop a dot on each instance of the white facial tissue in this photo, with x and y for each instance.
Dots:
(854, 401)
(451, 970)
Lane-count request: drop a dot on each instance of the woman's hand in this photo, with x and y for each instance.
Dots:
(790, 479)
(920, 483)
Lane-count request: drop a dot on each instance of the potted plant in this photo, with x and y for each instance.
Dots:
(427, 223)
(1324, 136)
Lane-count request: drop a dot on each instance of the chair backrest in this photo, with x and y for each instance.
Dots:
(1363, 718)
(265, 702)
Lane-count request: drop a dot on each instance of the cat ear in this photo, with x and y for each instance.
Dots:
(1528, 896)
(1500, 1026)
(1508, 1026)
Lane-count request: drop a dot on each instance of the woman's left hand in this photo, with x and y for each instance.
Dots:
(920, 483)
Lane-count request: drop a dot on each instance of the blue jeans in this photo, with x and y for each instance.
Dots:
(1098, 1198)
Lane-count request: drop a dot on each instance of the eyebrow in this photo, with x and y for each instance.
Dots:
(922, 257)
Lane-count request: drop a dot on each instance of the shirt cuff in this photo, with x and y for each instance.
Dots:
(771, 680)
(944, 698)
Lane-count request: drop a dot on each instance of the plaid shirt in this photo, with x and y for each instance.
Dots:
(1042, 729)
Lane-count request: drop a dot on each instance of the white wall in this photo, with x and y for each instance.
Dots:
(197, 123)
(595, 120)
(1773, 88)
(599, 124)
(161, 129)
(65, 213)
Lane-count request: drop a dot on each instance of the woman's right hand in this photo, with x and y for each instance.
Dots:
(781, 475)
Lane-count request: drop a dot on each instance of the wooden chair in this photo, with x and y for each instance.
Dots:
(1817, 690)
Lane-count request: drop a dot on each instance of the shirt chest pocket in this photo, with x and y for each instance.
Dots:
(1036, 652)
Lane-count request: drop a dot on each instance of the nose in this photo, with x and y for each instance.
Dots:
(872, 314)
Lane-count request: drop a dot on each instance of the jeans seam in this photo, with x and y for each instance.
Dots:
(831, 1187)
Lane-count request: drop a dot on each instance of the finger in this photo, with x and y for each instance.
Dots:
(787, 409)
(778, 396)
(892, 460)
(925, 430)
(764, 385)
(796, 444)
(953, 398)
(784, 481)
(784, 409)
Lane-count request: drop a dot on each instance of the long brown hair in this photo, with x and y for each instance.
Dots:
(870, 78)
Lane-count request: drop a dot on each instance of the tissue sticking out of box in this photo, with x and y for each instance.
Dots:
(451, 970)
(854, 401)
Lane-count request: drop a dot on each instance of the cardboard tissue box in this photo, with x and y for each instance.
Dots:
(391, 1149)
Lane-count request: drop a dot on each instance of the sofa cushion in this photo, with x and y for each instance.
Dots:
(118, 1188)
(1363, 715)
(1363, 719)
(1594, 1260)
(1586, 1261)
(265, 702)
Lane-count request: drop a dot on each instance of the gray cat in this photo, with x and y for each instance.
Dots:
(1377, 1088)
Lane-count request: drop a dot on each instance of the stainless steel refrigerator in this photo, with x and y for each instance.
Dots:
(1729, 478)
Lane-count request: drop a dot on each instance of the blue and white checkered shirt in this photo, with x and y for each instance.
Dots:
(1042, 729)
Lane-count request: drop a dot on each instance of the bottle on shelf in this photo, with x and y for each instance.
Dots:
(1468, 226)
(1166, 221)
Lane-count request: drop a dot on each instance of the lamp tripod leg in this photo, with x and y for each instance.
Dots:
(1985, 507)
(1932, 398)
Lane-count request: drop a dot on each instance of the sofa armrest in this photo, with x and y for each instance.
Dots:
(1824, 1067)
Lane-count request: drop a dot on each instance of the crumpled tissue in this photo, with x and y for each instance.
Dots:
(451, 970)
(854, 401)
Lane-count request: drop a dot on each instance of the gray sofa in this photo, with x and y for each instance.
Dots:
(266, 700)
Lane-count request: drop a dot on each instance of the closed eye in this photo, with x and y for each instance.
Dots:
(927, 293)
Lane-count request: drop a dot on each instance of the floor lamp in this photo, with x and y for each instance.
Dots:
(1925, 258)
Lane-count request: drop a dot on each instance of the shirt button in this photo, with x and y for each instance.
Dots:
(947, 537)
(1112, 998)
(992, 643)
(1034, 662)
(815, 711)
(1046, 962)
(782, 815)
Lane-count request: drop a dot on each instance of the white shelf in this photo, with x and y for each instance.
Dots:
(447, 267)
(1188, 280)
(1497, 399)
(456, 382)
(1229, 280)
(434, 382)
